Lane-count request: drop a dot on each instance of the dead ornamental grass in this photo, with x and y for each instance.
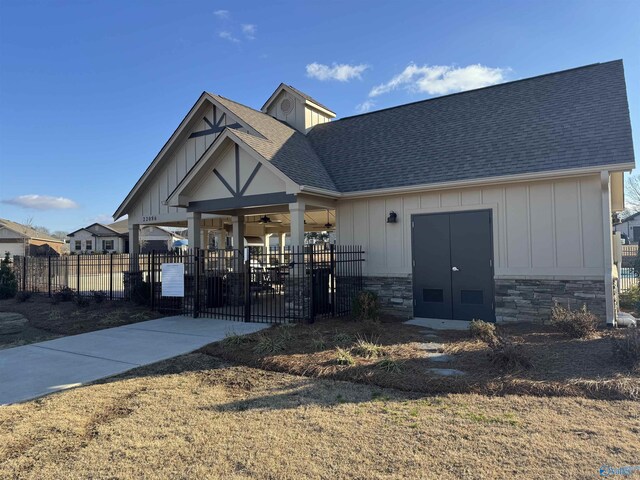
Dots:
(560, 366)
(193, 417)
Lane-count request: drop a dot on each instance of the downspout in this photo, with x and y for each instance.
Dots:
(605, 184)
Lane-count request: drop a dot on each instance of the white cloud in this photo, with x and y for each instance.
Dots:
(41, 202)
(440, 79)
(228, 36)
(249, 30)
(365, 106)
(221, 14)
(342, 72)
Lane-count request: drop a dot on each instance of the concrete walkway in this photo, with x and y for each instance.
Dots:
(34, 370)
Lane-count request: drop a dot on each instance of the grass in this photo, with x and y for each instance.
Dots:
(48, 319)
(198, 417)
(536, 359)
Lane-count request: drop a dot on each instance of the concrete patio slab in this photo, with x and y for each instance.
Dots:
(41, 368)
(439, 324)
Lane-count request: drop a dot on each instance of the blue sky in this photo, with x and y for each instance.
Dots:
(90, 91)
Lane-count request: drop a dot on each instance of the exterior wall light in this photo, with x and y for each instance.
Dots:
(393, 217)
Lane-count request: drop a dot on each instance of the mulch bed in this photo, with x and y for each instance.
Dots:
(561, 366)
(47, 320)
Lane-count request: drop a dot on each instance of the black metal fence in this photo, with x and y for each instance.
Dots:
(628, 276)
(254, 285)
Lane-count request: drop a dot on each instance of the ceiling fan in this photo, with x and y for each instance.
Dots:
(328, 224)
(266, 219)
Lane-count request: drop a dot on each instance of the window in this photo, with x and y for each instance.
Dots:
(77, 245)
(88, 245)
(107, 244)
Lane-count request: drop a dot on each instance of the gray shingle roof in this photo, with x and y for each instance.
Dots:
(572, 119)
(286, 148)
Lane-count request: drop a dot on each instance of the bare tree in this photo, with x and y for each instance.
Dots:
(632, 193)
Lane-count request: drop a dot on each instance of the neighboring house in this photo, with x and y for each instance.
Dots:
(18, 239)
(114, 238)
(630, 226)
(491, 203)
(98, 238)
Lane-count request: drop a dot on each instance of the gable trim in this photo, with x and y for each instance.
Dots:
(187, 121)
(175, 199)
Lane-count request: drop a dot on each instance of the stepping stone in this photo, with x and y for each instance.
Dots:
(431, 346)
(431, 336)
(446, 372)
(440, 357)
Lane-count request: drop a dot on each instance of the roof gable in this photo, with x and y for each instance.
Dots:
(197, 126)
(297, 93)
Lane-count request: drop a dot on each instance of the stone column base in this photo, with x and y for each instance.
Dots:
(394, 293)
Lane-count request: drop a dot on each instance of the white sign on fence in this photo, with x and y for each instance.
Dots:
(172, 279)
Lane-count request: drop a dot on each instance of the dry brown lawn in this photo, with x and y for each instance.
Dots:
(47, 320)
(195, 417)
(560, 366)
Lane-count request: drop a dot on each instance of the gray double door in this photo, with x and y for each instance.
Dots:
(453, 265)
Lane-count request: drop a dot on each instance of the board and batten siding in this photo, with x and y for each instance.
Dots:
(544, 229)
(172, 171)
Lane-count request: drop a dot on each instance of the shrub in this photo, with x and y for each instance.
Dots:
(8, 282)
(390, 365)
(366, 306)
(626, 349)
(343, 357)
(318, 344)
(630, 298)
(574, 323)
(484, 331)
(65, 294)
(367, 348)
(507, 354)
(23, 296)
(268, 344)
(342, 338)
(98, 296)
(232, 339)
(81, 301)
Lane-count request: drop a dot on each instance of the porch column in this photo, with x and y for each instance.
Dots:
(283, 238)
(605, 184)
(296, 211)
(193, 229)
(267, 247)
(238, 232)
(218, 238)
(134, 238)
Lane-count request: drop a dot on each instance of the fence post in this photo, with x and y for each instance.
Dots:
(111, 276)
(312, 281)
(78, 274)
(49, 274)
(332, 273)
(247, 285)
(24, 273)
(152, 273)
(196, 283)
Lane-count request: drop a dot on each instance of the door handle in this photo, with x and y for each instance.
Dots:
(455, 269)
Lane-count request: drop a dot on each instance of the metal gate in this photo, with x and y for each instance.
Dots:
(262, 286)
